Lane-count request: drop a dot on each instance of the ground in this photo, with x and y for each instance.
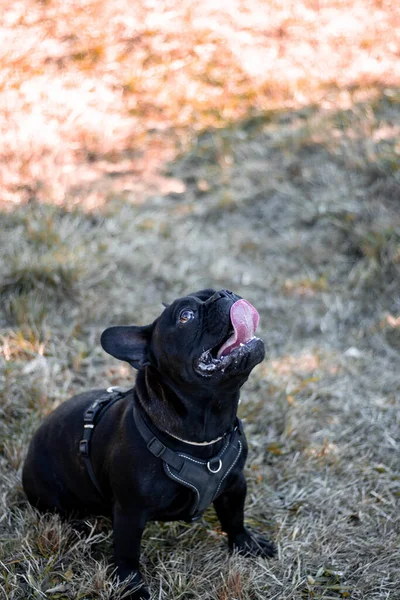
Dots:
(293, 204)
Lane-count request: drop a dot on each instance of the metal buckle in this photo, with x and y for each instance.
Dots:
(217, 469)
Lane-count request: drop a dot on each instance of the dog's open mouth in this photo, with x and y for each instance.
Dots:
(244, 319)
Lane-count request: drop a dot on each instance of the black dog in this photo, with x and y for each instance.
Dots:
(166, 449)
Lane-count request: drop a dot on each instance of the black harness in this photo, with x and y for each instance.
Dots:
(203, 477)
(90, 418)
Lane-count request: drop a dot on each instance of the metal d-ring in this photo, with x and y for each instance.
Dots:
(217, 469)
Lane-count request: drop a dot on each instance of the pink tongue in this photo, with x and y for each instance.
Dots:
(244, 319)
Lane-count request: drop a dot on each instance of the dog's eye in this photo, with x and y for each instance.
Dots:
(186, 315)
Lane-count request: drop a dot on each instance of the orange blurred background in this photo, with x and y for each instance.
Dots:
(97, 96)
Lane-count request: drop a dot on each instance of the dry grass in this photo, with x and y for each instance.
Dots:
(314, 244)
(291, 179)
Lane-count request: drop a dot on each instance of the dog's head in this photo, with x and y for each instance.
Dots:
(205, 336)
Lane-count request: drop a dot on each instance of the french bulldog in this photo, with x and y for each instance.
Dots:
(169, 447)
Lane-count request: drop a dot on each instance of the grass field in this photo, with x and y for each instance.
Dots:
(151, 152)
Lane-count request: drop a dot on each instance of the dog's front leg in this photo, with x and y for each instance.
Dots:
(128, 528)
(230, 511)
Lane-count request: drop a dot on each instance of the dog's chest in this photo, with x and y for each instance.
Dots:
(205, 479)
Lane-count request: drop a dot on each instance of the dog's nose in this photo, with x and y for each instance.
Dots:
(221, 294)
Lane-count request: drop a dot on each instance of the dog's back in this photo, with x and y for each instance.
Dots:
(50, 473)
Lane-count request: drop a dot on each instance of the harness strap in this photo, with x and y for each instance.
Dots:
(203, 477)
(154, 445)
(91, 416)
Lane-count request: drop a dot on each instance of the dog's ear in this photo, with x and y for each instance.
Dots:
(129, 343)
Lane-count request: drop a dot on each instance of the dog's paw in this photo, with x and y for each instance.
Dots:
(138, 593)
(134, 588)
(251, 544)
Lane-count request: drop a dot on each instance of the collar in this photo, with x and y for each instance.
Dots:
(142, 415)
(149, 430)
(196, 443)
